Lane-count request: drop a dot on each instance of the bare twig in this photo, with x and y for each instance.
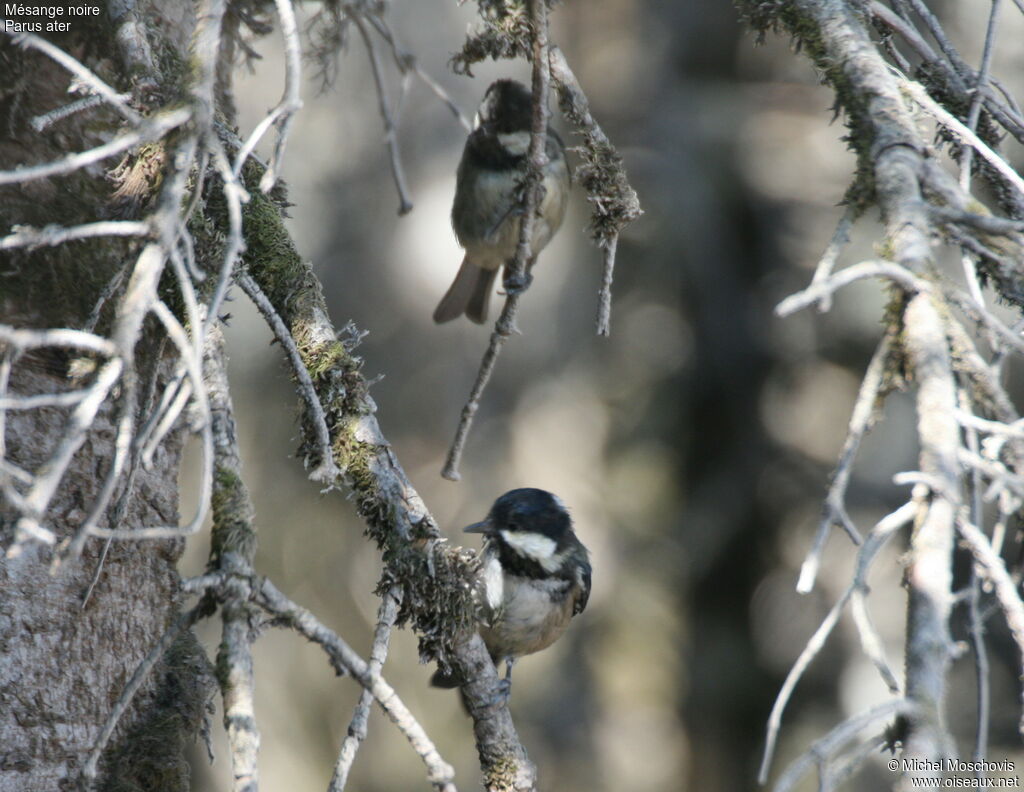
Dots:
(821, 751)
(406, 63)
(824, 288)
(604, 298)
(386, 616)
(975, 621)
(929, 567)
(876, 540)
(827, 263)
(979, 92)
(28, 237)
(915, 92)
(326, 471)
(41, 122)
(291, 102)
(235, 195)
(904, 29)
(20, 339)
(834, 511)
(345, 660)
(994, 570)
(121, 507)
(285, 110)
(45, 485)
(194, 367)
(986, 223)
(150, 129)
(86, 76)
(390, 128)
(183, 622)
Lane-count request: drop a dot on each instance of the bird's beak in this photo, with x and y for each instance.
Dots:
(480, 527)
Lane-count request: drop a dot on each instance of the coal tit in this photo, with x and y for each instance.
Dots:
(534, 577)
(487, 208)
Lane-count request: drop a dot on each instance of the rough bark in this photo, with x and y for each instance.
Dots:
(63, 665)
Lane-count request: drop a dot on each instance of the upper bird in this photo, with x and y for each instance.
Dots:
(534, 578)
(487, 211)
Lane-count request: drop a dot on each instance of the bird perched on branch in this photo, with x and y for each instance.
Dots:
(534, 578)
(487, 210)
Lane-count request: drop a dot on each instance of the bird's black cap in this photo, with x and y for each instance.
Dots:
(507, 107)
(526, 509)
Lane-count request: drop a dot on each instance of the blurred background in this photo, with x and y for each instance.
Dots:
(693, 446)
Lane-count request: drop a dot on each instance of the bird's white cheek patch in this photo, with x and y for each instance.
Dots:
(494, 583)
(531, 545)
(515, 143)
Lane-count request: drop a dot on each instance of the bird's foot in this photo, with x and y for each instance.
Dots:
(517, 283)
(502, 693)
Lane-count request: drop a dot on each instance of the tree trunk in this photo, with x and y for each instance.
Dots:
(66, 656)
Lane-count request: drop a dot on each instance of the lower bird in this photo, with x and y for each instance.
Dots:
(534, 577)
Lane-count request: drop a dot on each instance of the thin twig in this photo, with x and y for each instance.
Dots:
(235, 195)
(74, 66)
(327, 470)
(604, 295)
(232, 550)
(821, 750)
(41, 122)
(193, 365)
(929, 573)
(823, 290)
(291, 102)
(834, 510)
(976, 625)
(914, 91)
(981, 81)
(985, 223)
(390, 128)
(994, 570)
(108, 292)
(386, 616)
(150, 129)
(27, 236)
(345, 660)
(6, 362)
(876, 539)
(50, 474)
(904, 28)
(183, 622)
(503, 328)
(21, 339)
(283, 113)
(406, 63)
(827, 262)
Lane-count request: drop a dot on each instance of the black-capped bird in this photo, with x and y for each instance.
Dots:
(534, 577)
(487, 210)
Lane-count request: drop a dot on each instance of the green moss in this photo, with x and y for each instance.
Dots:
(233, 518)
(437, 600)
(501, 774)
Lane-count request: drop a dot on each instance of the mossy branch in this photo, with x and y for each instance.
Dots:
(435, 579)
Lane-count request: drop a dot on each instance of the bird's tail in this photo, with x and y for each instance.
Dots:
(469, 294)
